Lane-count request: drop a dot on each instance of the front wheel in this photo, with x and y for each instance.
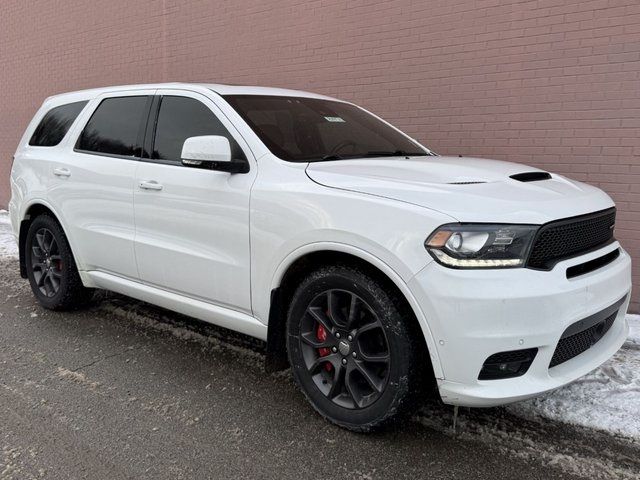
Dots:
(351, 349)
(51, 268)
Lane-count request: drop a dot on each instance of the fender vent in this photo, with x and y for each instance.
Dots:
(531, 176)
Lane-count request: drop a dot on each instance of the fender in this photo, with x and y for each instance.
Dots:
(383, 267)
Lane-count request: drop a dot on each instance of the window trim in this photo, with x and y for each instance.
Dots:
(150, 129)
(150, 134)
(140, 133)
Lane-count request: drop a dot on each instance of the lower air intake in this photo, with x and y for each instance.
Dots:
(573, 345)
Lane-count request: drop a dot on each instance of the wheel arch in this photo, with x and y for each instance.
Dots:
(308, 258)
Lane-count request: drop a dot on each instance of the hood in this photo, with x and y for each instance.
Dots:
(467, 189)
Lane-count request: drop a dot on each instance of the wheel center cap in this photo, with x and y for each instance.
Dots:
(344, 347)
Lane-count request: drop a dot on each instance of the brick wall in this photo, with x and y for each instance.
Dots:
(552, 83)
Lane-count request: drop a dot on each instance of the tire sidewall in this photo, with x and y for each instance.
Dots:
(397, 387)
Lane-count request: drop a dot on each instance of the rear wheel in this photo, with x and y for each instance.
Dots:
(51, 268)
(351, 350)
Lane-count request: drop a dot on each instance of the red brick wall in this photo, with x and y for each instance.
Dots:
(552, 83)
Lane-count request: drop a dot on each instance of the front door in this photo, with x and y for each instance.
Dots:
(192, 225)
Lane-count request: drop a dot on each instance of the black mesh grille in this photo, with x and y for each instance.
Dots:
(562, 239)
(578, 343)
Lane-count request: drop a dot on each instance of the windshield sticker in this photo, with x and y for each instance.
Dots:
(334, 119)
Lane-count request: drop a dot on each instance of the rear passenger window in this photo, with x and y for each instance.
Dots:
(182, 117)
(55, 125)
(114, 126)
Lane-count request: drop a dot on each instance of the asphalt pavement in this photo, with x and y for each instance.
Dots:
(126, 390)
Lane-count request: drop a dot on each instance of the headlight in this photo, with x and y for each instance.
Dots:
(481, 245)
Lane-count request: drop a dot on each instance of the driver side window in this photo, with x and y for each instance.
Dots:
(180, 118)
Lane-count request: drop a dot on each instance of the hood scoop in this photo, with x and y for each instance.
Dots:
(531, 176)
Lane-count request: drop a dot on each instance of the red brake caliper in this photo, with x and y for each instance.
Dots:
(321, 334)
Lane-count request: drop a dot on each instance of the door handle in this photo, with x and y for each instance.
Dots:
(61, 172)
(150, 185)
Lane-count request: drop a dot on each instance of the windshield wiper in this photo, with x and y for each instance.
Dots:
(395, 153)
(381, 153)
(333, 156)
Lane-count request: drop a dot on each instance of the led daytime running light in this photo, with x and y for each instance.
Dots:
(474, 263)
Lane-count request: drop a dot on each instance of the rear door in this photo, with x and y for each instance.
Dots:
(192, 225)
(92, 181)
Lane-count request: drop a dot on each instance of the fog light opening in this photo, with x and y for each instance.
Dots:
(510, 364)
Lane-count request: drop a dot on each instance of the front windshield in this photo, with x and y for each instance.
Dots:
(300, 129)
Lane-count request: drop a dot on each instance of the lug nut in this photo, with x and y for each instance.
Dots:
(350, 338)
(337, 334)
(344, 361)
(334, 349)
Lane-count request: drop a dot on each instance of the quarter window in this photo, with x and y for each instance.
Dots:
(55, 125)
(114, 127)
(182, 117)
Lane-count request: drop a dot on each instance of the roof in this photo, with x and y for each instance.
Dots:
(253, 90)
(218, 88)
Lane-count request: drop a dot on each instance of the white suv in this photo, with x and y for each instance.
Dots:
(367, 261)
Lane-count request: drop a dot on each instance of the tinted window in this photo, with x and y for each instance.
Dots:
(55, 124)
(114, 127)
(308, 129)
(180, 118)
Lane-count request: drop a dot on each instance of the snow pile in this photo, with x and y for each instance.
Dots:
(607, 399)
(8, 247)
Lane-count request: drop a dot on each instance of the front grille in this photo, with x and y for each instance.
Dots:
(567, 238)
(574, 345)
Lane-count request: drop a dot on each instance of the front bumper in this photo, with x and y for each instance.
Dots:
(473, 314)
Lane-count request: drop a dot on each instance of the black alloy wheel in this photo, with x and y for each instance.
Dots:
(46, 262)
(345, 349)
(355, 348)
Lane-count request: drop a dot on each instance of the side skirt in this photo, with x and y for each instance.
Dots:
(207, 312)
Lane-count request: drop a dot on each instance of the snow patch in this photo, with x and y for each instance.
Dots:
(8, 246)
(77, 377)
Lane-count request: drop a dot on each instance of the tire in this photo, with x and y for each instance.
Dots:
(371, 394)
(51, 268)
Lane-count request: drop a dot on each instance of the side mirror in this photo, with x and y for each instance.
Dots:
(212, 152)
